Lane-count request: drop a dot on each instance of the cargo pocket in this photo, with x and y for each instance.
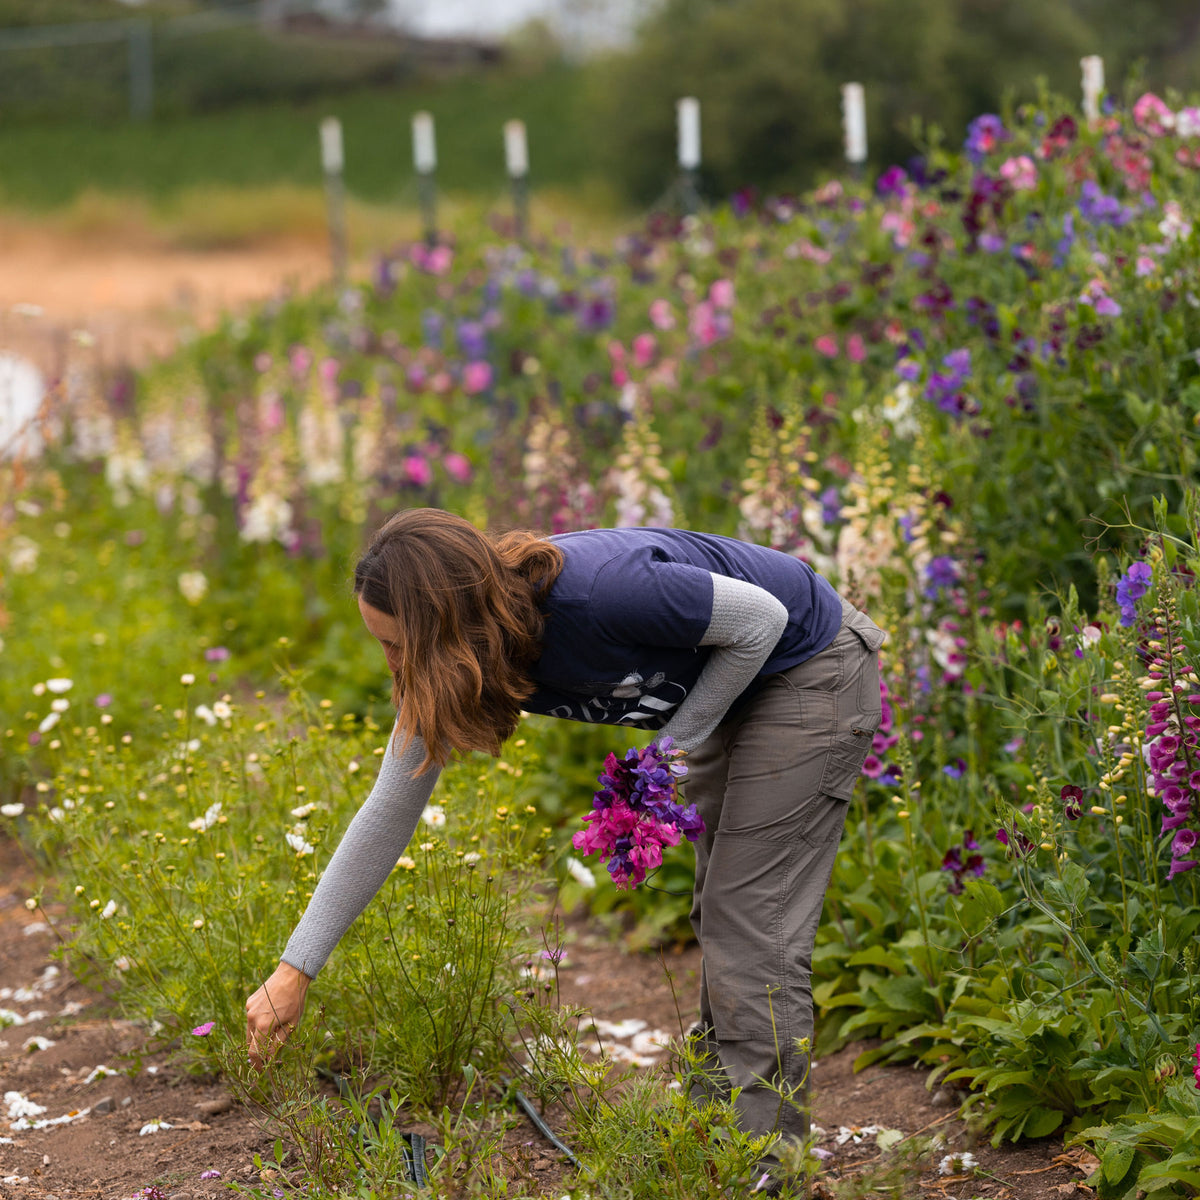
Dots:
(844, 763)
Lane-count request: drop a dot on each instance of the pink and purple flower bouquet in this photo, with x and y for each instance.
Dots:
(635, 812)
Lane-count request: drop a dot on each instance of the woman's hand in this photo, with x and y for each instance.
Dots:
(274, 1011)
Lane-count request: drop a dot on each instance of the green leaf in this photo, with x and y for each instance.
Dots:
(1042, 1121)
(1115, 1161)
(878, 956)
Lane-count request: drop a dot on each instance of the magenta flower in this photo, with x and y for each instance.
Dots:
(662, 315)
(1152, 115)
(1196, 1069)
(1020, 172)
(204, 1030)
(645, 347)
(417, 471)
(635, 812)
(476, 377)
(103, 700)
(827, 345)
(458, 467)
(721, 293)
(216, 654)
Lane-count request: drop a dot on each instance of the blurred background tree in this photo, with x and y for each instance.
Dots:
(768, 73)
(595, 80)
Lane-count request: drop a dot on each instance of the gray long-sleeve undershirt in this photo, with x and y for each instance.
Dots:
(747, 623)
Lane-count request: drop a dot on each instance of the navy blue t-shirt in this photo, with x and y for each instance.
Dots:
(626, 614)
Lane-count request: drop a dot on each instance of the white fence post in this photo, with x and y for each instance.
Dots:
(854, 124)
(332, 162)
(516, 160)
(425, 161)
(688, 119)
(1093, 85)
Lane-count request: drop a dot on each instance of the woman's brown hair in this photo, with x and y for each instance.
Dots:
(466, 604)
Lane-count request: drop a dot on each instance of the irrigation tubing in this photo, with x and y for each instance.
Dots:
(416, 1143)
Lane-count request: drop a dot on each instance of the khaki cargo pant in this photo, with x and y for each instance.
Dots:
(772, 784)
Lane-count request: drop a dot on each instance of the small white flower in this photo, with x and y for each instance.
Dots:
(187, 679)
(58, 686)
(580, 873)
(109, 910)
(39, 689)
(957, 1164)
(304, 809)
(60, 705)
(31, 1044)
(100, 1072)
(193, 585)
(471, 859)
(11, 810)
(297, 843)
(434, 816)
(198, 923)
(206, 714)
(221, 710)
(122, 963)
(406, 863)
(31, 904)
(152, 1127)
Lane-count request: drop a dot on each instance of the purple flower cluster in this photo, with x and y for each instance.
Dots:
(875, 767)
(940, 572)
(635, 813)
(958, 866)
(1131, 587)
(1097, 208)
(984, 134)
(1171, 736)
(945, 387)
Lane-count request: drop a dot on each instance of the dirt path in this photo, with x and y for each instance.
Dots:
(131, 292)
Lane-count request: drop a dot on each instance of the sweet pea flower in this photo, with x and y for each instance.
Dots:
(1151, 114)
(417, 471)
(1020, 173)
(476, 377)
(662, 315)
(458, 467)
(645, 347)
(721, 294)
(826, 345)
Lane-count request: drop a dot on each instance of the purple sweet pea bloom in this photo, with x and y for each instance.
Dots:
(984, 134)
(893, 182)
(940, 572)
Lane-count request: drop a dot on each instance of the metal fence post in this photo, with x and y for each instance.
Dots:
(141, 70)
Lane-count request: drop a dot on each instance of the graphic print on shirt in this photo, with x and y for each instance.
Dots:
(642, 703)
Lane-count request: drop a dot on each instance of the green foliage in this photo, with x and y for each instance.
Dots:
(274, 142)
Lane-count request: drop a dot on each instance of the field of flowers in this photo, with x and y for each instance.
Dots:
(970, 394)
